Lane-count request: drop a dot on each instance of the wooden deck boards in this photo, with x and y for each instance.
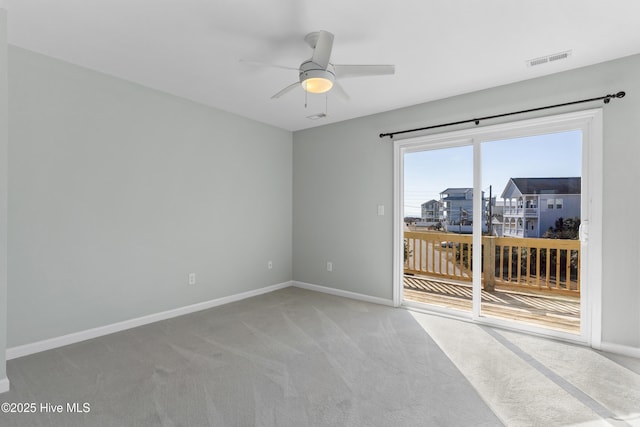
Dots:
(559, 313)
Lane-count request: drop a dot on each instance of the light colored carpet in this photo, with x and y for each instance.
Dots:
(300, 358)
(289, 358)
(531, 381)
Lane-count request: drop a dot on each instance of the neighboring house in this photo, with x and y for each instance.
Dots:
(431, 212)
(495, 211)
(457, 208)
(411, 220)
(497, 208)
(533, 205)
(496, 227)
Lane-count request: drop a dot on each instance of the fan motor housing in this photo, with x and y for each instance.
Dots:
(311, 70)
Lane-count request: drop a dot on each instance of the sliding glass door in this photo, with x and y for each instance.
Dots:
(492, 224)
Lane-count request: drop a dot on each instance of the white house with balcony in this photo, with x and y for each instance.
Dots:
(533, 205)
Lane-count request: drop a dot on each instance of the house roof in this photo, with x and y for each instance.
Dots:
(456, 190)
(569, 185)
(456, 193)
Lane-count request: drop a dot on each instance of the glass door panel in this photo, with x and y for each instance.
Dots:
(531, 248)
(438, 222)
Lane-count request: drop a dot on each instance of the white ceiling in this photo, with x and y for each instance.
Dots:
(192, 48)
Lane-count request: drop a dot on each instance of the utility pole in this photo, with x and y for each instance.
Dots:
(490, 225)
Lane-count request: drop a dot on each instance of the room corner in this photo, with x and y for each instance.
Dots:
(4, 135)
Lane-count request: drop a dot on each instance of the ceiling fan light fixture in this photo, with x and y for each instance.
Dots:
(317, 75)
(316, 80)
(317, 85)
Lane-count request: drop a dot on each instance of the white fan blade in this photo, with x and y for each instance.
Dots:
(322, 52)
(286, 90)
(340, 92)
(346, 71)
(264, 64)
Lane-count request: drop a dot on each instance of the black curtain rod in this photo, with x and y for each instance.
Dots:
(605, 98)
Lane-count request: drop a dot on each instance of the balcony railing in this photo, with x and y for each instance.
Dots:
(527, 212)
(531, 264)
(438, 254)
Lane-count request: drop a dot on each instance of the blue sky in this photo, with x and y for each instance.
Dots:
(427, 173)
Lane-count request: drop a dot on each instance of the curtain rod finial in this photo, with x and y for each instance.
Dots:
(608, 98)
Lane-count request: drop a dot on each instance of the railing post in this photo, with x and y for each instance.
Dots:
(489, 262)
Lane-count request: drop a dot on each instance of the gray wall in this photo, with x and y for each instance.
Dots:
(341, 174)
(117, 192)
(341, 171)
(3, 187)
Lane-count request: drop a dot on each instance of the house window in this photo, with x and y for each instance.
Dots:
(549, 203)
(558, 203)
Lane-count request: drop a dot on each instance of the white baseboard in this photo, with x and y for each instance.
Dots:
(4, 385)
(51, 343)
(341, 293)
(623, 350)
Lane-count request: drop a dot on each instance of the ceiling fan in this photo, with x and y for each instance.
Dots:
(318, 75)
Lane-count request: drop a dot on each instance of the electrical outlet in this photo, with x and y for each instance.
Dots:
(192, 278)
(329, 266)
(270, 265)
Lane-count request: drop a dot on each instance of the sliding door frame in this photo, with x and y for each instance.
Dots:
(589, 122)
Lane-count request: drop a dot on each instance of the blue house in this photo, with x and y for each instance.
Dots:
(457, 204)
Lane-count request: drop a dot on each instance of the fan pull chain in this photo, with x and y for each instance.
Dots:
(326, 104)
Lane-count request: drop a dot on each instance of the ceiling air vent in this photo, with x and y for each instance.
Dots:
(549, 58)
(317, 116)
